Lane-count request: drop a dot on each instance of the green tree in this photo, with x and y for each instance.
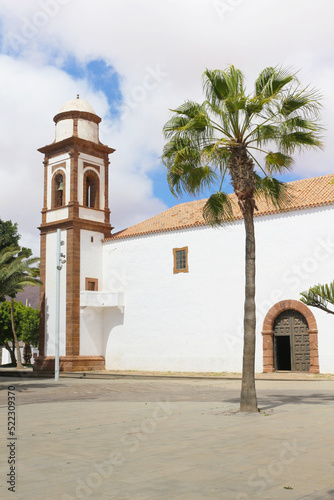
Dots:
(320, 296)
(16, 272)
(6, 331)
(227, 134)
(29, 326)
(26, 320)
(9, 237)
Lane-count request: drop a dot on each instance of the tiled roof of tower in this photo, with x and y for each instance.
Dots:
(305, 193)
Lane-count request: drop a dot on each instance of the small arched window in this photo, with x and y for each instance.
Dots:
(58, 190)
(91, 190)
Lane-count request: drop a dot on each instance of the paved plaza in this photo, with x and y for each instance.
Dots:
(137, 439)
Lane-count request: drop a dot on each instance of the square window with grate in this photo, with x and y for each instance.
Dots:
(180, 260)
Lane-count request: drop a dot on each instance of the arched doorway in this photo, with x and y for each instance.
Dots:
(291, 342)
(290, 338)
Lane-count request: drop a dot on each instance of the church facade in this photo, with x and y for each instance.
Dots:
(167, 294)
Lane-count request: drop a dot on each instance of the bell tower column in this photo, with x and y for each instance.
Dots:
(73, 264)
(75, 201)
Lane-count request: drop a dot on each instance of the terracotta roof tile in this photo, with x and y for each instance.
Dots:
(305, 193)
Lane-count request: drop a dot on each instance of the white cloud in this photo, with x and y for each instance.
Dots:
(176, 39)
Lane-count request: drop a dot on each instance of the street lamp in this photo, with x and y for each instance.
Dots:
(60, 261)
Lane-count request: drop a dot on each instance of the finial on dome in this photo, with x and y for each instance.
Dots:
(77, 96)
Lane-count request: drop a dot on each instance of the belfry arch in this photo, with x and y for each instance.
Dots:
(268, 333)
(58, 189)
(91, 189)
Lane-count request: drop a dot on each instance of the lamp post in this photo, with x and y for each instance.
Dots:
(60, 261)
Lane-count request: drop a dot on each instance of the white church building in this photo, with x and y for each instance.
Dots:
(167, 294)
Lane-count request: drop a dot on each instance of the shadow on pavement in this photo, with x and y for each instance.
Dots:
(274, 400)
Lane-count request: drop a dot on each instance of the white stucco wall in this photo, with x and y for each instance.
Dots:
(57, 214)
(193, 321)
(91, 257)
(50, 296)
(88, 130)
(91, 214)
(91, 338)
(175, 321)
(64, 129)
(6, 359)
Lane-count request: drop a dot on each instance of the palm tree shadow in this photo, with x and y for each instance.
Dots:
(329, 495)
(276, 400)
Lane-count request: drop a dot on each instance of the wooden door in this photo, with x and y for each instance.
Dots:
(301, 343)
(293, 324)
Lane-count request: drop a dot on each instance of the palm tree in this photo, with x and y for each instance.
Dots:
(319, 296)
(16, 272)
(227, 134)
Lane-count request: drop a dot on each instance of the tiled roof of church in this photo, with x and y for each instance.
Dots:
(305, 193)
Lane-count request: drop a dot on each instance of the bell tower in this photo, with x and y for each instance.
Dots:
(75, 201)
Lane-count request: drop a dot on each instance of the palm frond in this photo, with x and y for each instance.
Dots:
(219, 85)
(254, 105)
(275, 192)
(225, 91)
(302, 100)
(217, 153)
(218, 209)
(189, 109)
(182, 125)
(299, 123)
(319, 296)
(181, 149)
(220, 119)
(299, 140)
(185, 177)
(278, 162)
(263, 80)
(7, 253)
(272, 81)
(15, 272)
(264, 134)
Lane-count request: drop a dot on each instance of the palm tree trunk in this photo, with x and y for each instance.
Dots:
(248, 402)
(18, 353)
(242, 172)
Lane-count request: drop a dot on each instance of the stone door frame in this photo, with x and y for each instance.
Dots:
(268, 333)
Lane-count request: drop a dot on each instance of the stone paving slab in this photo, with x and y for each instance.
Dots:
(169, 439)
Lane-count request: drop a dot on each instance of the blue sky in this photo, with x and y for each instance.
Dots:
(102, 77)
(133, 61)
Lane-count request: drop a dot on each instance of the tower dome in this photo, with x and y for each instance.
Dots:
(77, 118)
(77, 105)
